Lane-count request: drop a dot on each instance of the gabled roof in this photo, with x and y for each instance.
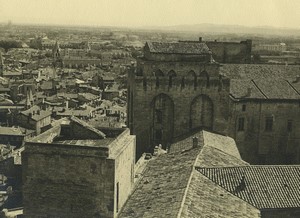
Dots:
(266, 187)
(168, 185)
(178, 47)
(161, 190)
(35, 115)
(206, 199)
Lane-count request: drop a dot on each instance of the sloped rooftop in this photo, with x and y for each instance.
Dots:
(265, 186)
(263, 81)
(206, 199)
(272, 88)
(161, 190)
(259, 71)
(36, 113)
(170, 181)
(205, 181)
(178, 47)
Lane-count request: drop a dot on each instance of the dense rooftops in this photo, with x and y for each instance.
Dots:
(178, 47)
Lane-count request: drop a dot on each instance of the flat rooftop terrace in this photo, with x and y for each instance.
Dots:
(85, 142)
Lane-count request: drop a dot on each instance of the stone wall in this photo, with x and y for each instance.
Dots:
(260, 146)
(124, 168)
(231, 52)
(69, 184)
(62, 180)
(184, 88)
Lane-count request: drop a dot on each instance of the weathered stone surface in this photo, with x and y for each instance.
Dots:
(70, 180)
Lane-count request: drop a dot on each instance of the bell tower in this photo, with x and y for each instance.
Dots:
(57, 60)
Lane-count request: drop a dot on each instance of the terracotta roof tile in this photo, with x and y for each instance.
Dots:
(165, 186)
(265, 186)
(207, 199)
(161, 190)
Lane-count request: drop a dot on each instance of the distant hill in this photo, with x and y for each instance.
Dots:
(219, 28)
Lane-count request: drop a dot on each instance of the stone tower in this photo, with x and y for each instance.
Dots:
(175, 89)
(29, 98)
(1, 64)
(57, 59)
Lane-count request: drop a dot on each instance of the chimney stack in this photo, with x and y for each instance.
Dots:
(195, 142)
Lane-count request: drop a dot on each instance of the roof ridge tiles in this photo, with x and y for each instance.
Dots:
(259, 89)
(293, 87)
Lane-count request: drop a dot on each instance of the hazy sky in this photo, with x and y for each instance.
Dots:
(278, 13)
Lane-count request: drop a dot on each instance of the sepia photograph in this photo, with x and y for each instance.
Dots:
(149, 109)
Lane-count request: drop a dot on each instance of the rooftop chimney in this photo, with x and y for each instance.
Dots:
(195, 142)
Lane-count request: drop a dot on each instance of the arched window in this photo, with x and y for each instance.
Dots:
(158, 73)
(162, 120)
(204, 78)
(145, 83)
(171, 74)
(193, 76)
(182, 82)
(157, 82)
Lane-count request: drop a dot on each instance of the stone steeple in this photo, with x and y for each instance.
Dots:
(1, 64)
(57, 60)
(56, 51)
(29, 98)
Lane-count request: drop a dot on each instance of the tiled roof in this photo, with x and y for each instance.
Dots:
(219, 151)
(42, 114)
(259, 71)
(178, 47)
(264, 80)
(161, 190)
(272, 88)
(265, 186)
(206, 199)
(244, 89)
(166, 190)
(211, 143)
